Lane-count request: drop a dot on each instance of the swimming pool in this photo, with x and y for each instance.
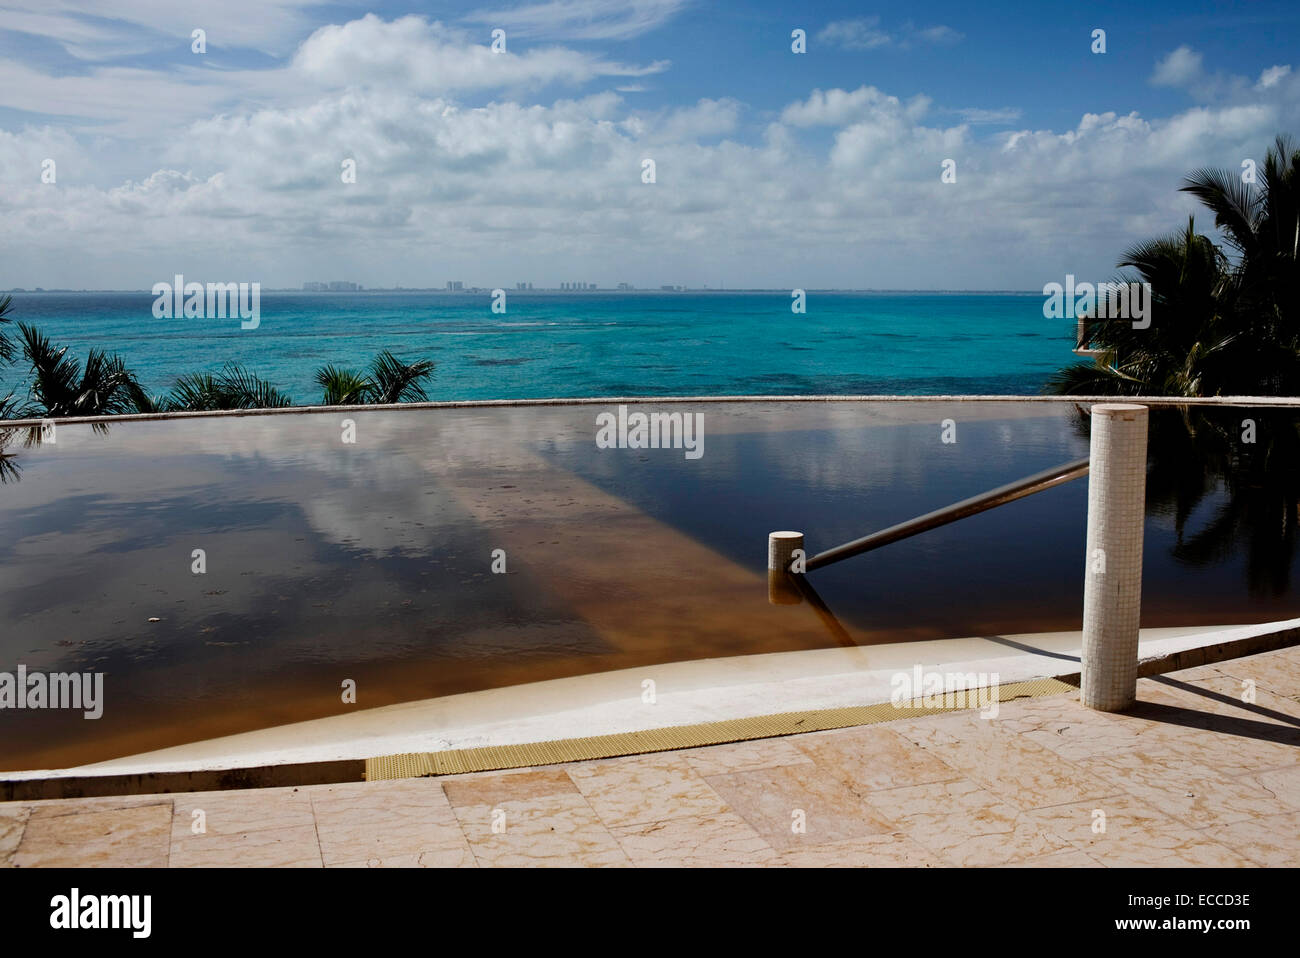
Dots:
(453, 549)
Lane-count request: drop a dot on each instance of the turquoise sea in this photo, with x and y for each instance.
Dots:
(589, 344)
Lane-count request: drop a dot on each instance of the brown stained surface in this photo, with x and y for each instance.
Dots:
(686, 596)
(1192, 776)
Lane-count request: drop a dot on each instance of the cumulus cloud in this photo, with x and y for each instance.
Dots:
(840, 187)
(1181, 67)
(420, 56)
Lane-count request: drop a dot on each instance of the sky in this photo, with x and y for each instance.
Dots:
(772, 168)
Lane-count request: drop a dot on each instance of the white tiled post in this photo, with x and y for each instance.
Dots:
(1112, 593)
(780, 552)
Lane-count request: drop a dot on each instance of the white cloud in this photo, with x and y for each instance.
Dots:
(999, 117)
(840, 107)
(417, 55)
(843, 188)
(1273, 76)
(866, 33)
(581, 19)
(91, 30)
(1181, 67)
(863, 33)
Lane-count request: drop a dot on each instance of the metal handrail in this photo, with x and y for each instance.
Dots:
(959, 510)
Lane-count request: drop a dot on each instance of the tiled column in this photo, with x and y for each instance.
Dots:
(780, 552)
(1112, 593)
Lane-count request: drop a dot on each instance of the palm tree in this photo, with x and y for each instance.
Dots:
(63, 387)
(1220, 325)
(234, 387)
(343, 387)
(7, 349)
(387, 380)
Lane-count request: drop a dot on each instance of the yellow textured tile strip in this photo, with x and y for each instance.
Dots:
(495, 757)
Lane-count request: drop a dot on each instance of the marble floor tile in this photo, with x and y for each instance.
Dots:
(1197, 795)
(724, 840)
(558, 830)
(406, 817)
(1273, 841)
(1122, 831)
(650, 788)
(293, 846)
(13, 819)
(137, 835)
(1021, 772)
(746, 756)
(876, 757)
(798, 805)
(964, 824)
(237, 812)
(493, 789)
(871, 851)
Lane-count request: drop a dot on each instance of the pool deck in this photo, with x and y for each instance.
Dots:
(1192, 776)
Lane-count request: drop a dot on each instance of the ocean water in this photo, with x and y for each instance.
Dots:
(588, 344)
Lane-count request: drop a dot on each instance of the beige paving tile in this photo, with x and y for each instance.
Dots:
(491, 789)
(1020, 771)
(647, 789)
(745, 756)
(137, 835)
(55, 807)
(285, 847)
(798, 805)
(238, 812)
(1195, 794)
(871, 851)
(543, 831)
(724, 840)
(1283, 783)
(445, 858)
(877, 757)
(13, 818)
(385, 819)
(1273, 841)
(1223, 695)
(935, 729)
(1277, 672)
(964, 824)
(1122, 831)
(1072, 858)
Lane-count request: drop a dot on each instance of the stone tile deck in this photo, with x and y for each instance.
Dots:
(1193, 775)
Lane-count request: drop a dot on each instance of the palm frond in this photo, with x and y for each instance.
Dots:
(396, 381)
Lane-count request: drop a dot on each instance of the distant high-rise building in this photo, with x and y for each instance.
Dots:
(626, 286)
(455, 285)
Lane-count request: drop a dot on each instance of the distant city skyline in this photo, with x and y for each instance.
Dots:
(661, 141)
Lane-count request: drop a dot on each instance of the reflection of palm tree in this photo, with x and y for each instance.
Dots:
(1249, 460)
(1220, 326)
(387, 380)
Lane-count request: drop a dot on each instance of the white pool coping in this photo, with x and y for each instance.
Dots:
(685, 693)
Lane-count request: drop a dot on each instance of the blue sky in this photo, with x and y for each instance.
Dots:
(774, 169)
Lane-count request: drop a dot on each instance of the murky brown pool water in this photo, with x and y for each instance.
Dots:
(372, 561)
